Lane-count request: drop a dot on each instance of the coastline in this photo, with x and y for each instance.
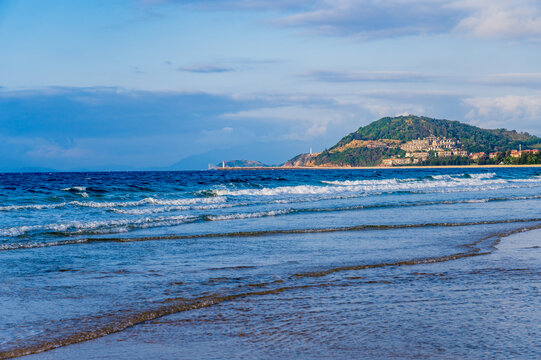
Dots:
(377, 167)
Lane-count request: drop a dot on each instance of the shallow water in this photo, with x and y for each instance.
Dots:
(326, 263)
(471, 308)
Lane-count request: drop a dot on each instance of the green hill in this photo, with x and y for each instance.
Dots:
(382, 139)
(473, 139)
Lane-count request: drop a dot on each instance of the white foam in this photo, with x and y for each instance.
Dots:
(148, 201)
(31, 207)
(534, 180)
(366, 182)
(117, 225)
(483, 176)
(248, 215)
(368, 186)
(475, 201)
(76, 188)
(157, 210)
(32, 245)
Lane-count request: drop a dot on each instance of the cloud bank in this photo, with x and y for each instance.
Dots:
(369, 19)
(115, 128)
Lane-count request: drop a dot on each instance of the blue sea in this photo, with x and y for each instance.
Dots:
(379, 264)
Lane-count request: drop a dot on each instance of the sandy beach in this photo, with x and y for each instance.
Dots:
(379, 167)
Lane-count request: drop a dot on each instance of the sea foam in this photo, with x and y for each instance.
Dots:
(436, 183)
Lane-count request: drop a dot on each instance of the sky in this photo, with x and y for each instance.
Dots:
(179, 84)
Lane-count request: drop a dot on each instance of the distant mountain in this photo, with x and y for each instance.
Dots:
(384, 138)
(241, 164)
(266, 152)
(34, 169)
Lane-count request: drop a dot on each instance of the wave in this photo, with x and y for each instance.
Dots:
(367, 182)
(75, 189)
(364, 186)
(120, 204)
(148, 201)
(157, 210)
(260, 233)
(34, 245)
(481, 176)
(249, 215)
(32, 206)
(283, 190)
(124, 225)
(363, 207)
(96, 227)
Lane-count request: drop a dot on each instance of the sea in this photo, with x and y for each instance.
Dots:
(257, 264)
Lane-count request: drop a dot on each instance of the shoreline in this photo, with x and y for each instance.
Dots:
(376, 167)
(140, 335)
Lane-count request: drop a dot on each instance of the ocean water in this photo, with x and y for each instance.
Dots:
(390, 263)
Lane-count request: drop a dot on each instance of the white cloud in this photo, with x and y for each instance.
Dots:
(509, 19)
(373, 19)
(506, 111)
(500, 18)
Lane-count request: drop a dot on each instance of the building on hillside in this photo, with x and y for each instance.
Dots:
(478, 155)
(417, 155)
(415, 145)
(444, 153)
(430, 143)
(462, 153)
(493, 155)
(399, 161)
(515, 153)
(518, 153)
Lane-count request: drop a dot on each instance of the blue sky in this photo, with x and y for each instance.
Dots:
(136, 84)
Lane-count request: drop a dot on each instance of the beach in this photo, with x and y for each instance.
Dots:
(376, 167)
(381, 263)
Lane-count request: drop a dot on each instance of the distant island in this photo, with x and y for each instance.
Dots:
(240, 164)
(421, 141)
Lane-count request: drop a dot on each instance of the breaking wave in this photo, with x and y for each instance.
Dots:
(148, 201)
(32, 207)
(249, 215)
(96, 227)
(261, 233)
(436, 183)
(123, 204)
